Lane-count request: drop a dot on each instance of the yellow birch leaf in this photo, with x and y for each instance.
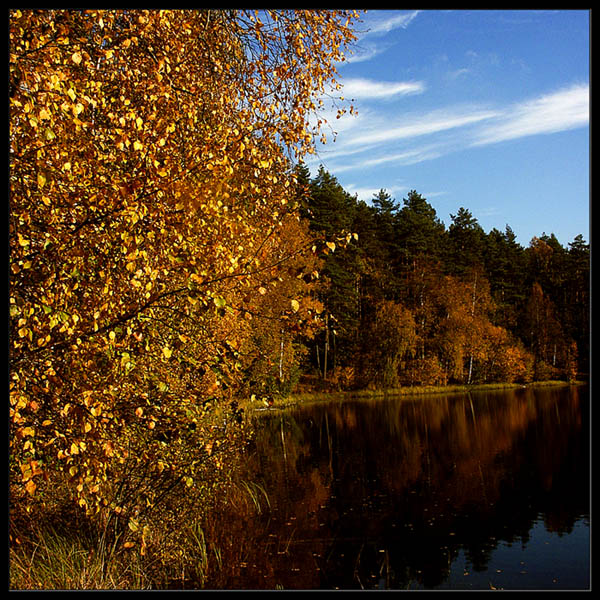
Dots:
(133, 525)
(30, 487)
(167, 352)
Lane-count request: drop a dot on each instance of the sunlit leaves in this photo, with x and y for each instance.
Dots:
(151, 230)
(220, 302)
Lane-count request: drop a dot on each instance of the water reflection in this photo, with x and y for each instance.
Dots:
(392, 493)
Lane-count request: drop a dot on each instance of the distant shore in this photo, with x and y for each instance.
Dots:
(305, 397)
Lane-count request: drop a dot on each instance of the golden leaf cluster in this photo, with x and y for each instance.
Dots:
(152, 222)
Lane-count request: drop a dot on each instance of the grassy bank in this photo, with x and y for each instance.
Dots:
(67, 551)
(304, 397)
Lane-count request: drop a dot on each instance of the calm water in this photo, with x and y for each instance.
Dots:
(463, 491)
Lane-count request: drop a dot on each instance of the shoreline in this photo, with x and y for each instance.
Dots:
(305, 397)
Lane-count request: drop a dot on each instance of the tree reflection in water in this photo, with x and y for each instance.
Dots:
(387, 493)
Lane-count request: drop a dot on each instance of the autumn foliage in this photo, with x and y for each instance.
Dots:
(170, 257)
(157, 260)
(412, 303)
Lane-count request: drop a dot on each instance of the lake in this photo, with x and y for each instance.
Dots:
(480, 490)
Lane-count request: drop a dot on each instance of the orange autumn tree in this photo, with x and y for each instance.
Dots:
(391, 339)
(472, 347)
(283, 315)
(150, 162)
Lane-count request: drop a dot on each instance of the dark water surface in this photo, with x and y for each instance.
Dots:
(481, 490)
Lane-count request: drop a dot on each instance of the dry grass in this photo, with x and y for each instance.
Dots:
(65, 551)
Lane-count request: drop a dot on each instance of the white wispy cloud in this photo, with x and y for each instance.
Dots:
(367, 193)
(385, 130)
(363, 52)
(377, 24)
(377, 137)
(379, 156)
(374, 138)
(408, 157)
(367, 88)
(385, 21)
(457, 73)
(558, 111)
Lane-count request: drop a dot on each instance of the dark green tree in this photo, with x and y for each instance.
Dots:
(578, 284)
(302, 190)
(466, 242)
(330, 210)
(385, 253)
(384, 204)
(330, 207)
(419, 230)
(505, 268)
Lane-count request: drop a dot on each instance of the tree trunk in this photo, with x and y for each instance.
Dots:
(326, 346)
(470, 368)
(281, 358)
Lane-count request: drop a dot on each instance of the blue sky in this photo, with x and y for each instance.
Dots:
(487, 109)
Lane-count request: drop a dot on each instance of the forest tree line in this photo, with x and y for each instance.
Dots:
(413, 302)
